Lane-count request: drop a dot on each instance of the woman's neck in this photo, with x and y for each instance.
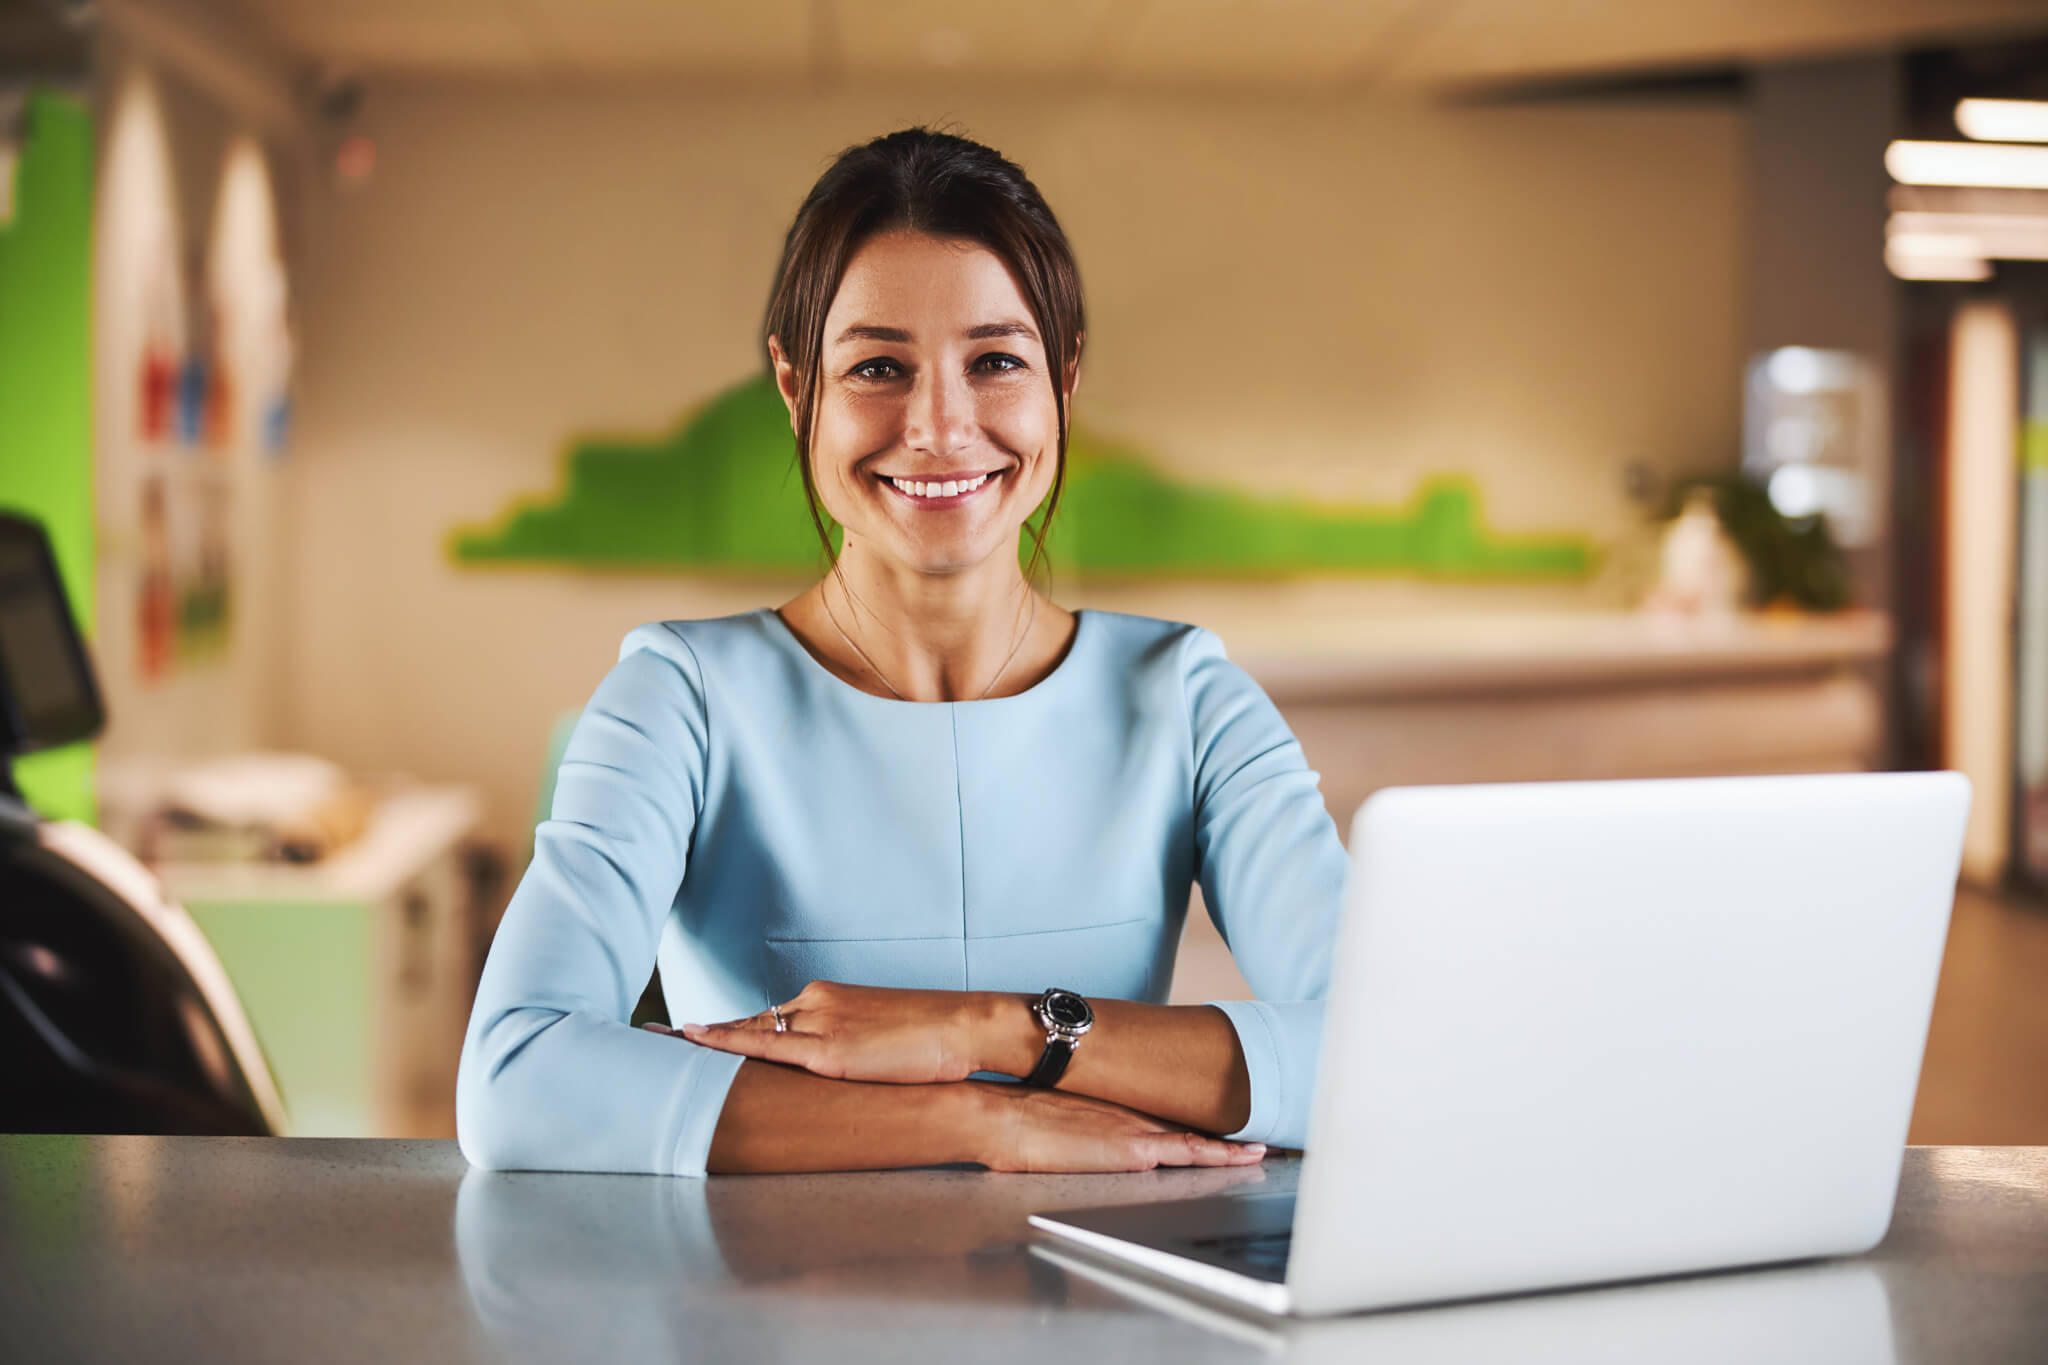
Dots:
(926, 639)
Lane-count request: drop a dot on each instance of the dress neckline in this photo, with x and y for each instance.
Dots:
(1082, 631)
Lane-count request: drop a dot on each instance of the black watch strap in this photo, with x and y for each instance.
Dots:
(1052, 1063)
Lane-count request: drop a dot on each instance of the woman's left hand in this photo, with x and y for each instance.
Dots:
(860, 1033)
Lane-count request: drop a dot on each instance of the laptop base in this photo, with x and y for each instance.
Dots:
(1234, 1247)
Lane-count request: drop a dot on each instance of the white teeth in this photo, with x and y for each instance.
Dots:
(940, 490)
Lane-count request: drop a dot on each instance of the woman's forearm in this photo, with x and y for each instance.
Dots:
(779, 1118)
(782, 1118)
(1182, 1063)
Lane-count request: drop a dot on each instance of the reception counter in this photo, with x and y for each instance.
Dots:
(1558, 696)
(225, 1250)
(1446, 655)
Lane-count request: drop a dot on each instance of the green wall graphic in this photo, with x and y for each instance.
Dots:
(46, 386)
(722, 493)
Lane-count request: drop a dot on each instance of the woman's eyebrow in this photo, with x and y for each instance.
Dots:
(1001, 329)
(868, 331)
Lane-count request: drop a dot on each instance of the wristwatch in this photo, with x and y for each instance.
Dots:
(1066, 1017)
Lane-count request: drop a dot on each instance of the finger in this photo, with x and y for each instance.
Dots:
(1196, 1149)
(769, 1047)
(753, 1023)
(653, 1027)
(1217, 1152)
(719, 1035)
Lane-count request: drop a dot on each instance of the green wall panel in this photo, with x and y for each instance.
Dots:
(721, 493)
(46, 386)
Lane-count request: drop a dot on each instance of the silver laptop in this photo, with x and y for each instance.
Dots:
(1581, 1032)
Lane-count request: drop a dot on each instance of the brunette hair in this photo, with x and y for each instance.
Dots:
(948, 186)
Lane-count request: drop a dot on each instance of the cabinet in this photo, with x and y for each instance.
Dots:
(356, 972)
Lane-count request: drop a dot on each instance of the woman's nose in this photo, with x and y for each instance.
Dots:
(941, 416)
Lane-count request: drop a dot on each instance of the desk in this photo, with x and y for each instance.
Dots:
(260, 1249)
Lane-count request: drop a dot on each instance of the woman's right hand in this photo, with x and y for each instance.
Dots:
(1029, 1128)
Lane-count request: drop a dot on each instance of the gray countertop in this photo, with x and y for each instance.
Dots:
(260, 1249)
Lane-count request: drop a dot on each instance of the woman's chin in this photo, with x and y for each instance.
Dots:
(941, 559)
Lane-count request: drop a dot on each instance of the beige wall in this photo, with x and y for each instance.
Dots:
(1331, 295)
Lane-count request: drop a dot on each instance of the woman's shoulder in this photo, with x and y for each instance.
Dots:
(1131, 628)
(702, 637)
(736, 649)
(1155, 641)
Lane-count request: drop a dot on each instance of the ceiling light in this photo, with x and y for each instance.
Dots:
(1968, 163)
(1909, 264)
(1994, 236)
(1938, 244)
(2003, 120)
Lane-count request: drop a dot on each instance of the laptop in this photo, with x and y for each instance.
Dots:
(1586, 1032)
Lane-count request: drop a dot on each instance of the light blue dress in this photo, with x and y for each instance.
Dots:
(730, 808)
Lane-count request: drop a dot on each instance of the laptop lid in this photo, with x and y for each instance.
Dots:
(1592, 1031)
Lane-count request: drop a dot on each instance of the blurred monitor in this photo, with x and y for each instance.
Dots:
(47, 693)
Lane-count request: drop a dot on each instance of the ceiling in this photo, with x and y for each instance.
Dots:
(42, 39)
(1437, 44)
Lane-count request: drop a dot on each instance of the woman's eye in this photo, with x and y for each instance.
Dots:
(1010, 362)
(874, 369)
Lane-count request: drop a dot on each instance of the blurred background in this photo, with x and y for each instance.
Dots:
(1521, 391)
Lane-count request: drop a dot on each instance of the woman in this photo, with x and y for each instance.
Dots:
(872, 826)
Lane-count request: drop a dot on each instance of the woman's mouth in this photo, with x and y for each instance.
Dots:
(939, 493)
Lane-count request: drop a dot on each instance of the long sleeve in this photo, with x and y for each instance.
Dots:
(1271, 867)
(553, 1076)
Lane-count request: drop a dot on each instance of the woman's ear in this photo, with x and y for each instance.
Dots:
(785, 377)
(1073, 377)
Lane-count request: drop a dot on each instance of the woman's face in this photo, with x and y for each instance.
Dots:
(932, 372)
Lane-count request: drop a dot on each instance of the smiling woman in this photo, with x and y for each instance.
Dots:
(869, 828)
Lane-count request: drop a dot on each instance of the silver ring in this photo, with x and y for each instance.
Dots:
(781, 1024)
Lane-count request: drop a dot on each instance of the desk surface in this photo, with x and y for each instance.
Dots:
(256, 1249)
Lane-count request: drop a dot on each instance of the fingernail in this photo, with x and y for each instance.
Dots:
(1256, 1148)
(693, 1028)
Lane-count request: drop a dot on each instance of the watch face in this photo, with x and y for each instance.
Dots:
(1068, 1010)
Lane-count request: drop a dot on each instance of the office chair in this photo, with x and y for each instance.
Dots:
(115, 1014)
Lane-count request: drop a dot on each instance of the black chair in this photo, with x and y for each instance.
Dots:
(115, 1014)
